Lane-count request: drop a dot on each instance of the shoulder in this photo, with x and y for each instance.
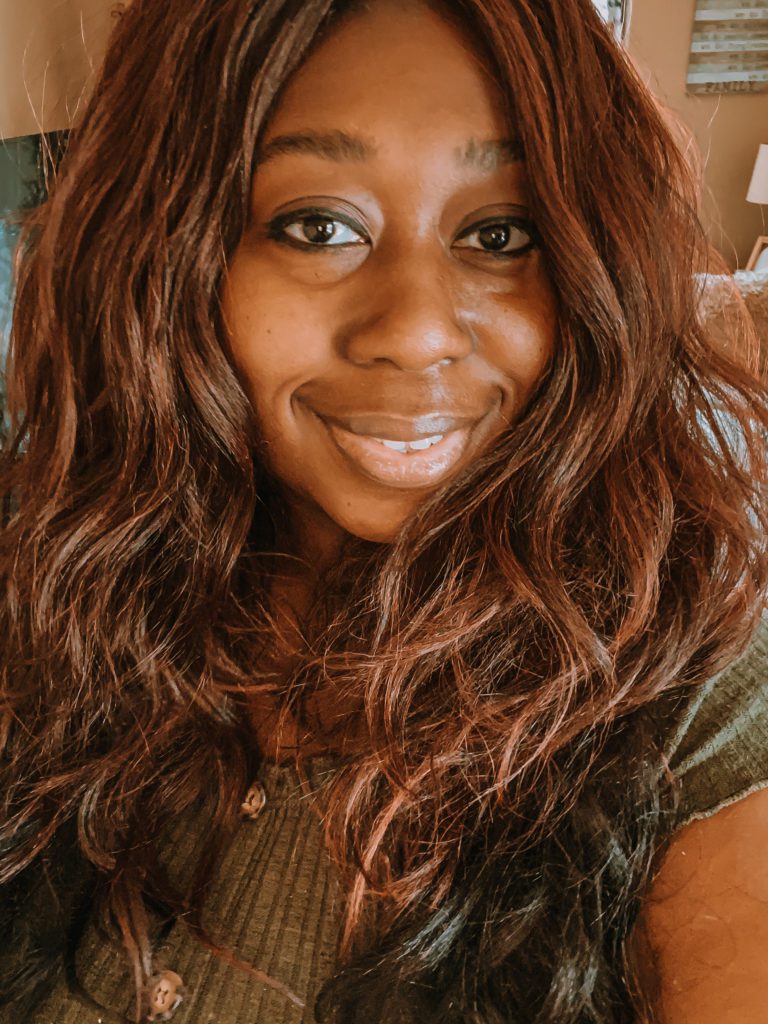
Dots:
(716, 746)
(705, 918)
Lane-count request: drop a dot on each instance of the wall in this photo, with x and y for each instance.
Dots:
(728, 128)
(48, 50)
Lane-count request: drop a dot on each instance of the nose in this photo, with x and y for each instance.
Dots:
(408, 318)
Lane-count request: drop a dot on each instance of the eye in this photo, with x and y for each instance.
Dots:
(315, 229)
(507, 237)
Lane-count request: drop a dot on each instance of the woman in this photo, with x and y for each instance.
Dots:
(384, 539)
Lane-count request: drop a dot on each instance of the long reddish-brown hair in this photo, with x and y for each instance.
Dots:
(498, 830)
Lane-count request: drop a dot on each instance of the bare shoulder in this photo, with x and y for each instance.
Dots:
(705, 919)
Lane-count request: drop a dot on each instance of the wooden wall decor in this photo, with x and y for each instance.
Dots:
(729, 47)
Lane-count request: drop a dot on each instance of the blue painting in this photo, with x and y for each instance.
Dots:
(22, 185)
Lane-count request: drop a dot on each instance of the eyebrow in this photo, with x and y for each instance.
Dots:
(489, 154)
(341, 147)
(337, 146)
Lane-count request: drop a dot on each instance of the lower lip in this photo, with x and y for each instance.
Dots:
(401, 469)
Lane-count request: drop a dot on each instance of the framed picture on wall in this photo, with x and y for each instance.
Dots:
(759, 258)
(21, 186)
(26, 164)
(728, 47)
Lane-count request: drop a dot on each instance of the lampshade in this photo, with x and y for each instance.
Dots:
(758, 187)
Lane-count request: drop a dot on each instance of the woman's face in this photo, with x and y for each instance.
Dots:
(389, 311)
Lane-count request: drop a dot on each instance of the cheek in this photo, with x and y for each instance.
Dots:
(520, 330)
(526, 346)
(276, 342)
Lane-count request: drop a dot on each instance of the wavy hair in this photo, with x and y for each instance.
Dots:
(505, 654)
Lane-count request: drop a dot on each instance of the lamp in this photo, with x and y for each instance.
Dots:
(758, 193)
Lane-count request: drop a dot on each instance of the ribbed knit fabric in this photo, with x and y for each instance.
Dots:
(275, 904)
(718, 748)
(276, 901)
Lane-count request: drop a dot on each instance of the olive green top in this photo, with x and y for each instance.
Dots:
(275, 902)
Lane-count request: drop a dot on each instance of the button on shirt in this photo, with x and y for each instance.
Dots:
(276, 907)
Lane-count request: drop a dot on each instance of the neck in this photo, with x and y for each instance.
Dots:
(311, 543)
(312, 537)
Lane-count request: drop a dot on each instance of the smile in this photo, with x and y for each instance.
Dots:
(411, 446)
(415, 463)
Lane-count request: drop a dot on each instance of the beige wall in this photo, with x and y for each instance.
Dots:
(48, 49)
(728, 128)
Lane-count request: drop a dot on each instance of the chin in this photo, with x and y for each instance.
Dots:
(379, 526)
(376, 533)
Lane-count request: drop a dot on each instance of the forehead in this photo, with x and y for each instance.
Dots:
(394, 72)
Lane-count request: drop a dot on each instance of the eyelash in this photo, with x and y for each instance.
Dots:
(276, 229)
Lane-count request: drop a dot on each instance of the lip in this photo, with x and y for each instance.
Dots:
(404, 470)
(402, 428)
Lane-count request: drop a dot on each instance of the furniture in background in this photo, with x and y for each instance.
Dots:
(759, 258)
(721, 294)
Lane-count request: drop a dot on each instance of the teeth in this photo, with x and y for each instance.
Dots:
(411, 446)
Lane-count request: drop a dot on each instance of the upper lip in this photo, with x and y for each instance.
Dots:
(401, 428)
